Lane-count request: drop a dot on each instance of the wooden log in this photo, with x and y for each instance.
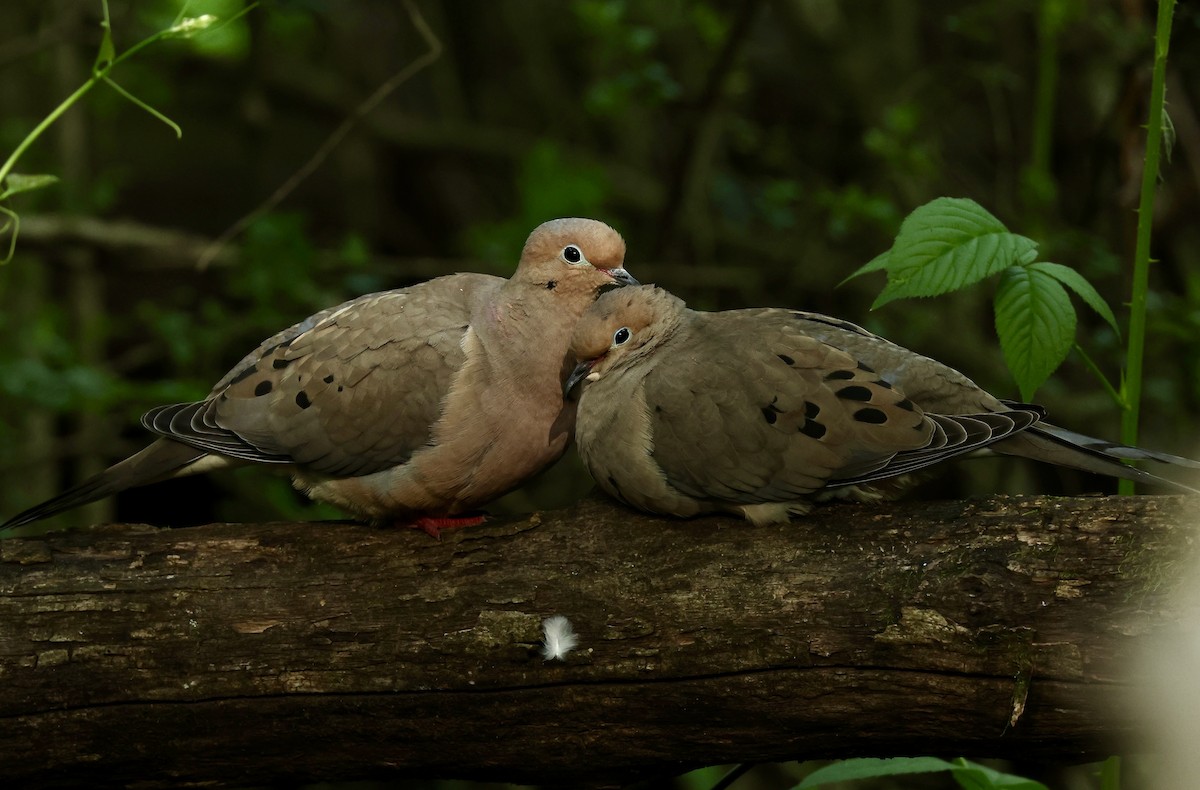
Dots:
(236, 654)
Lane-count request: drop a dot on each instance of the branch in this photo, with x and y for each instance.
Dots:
(237, 654)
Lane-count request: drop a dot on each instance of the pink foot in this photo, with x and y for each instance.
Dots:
(433, 525)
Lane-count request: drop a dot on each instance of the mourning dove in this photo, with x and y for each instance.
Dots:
(759, 412)
(417, 403)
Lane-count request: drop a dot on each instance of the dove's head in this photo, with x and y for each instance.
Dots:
(621, 327)
(572, 256)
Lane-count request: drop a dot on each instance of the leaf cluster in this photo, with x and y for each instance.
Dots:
(952, 243)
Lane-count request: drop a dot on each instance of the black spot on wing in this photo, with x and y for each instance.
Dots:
(302, 399)
(328, 379)
(866, 367)
(811, 409)
(786, 359)
(905, 404)
(280, 364)
(812, 429)
(870, 415)
(263, 388)
(249, 371)
(854, 392)
(839, 375)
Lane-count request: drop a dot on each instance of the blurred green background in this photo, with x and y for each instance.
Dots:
(752, 153)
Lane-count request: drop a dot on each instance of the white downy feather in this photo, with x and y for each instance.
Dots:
(558, 638)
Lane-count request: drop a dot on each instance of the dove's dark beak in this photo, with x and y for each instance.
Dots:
(581, 370)
(621, 276)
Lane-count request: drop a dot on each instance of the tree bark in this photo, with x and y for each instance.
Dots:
(235, 654)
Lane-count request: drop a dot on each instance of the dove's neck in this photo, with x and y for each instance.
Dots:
(530, 327)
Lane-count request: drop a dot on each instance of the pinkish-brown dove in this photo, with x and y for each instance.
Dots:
(409, 405)
(761, 412)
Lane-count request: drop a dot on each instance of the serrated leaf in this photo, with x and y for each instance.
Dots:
(880, 261)
(1036, 324)
(870, 768)
(1077, 283)
(947, 244)
(17, 183)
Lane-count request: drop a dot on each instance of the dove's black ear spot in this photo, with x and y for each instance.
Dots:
(263, 388)
(870, 415)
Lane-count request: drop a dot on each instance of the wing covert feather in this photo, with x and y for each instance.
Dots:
(352, 390)
(747, 408)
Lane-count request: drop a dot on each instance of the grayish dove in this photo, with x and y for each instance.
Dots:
(414, 404)
(760, 412)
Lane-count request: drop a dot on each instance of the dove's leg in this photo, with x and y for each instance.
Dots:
(433, 525)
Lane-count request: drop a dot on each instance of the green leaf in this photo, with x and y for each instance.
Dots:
(974, 776)
(880, 261)
(107, 51)
(17, 183)
(1076, 282)
(1036, 324)
(870, 768)
(947, 244)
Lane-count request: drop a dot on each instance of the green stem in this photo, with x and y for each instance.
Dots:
(1132, 389)
(1099, 374)
(54, 115)
(97, 75)
(1049, 24)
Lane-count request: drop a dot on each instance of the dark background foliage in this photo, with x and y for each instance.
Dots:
(752, 153)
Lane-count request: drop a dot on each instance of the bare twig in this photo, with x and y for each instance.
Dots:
(334, 139)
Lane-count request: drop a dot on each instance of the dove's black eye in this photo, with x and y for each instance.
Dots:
(620, 336)
(571, 254)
